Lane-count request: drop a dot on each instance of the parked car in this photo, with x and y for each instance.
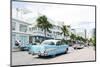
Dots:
(26, 47)
(78, 46)
(49, 48)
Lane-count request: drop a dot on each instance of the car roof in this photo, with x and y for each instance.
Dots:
(51, 40)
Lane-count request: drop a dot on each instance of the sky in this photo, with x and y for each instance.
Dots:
(78, 17)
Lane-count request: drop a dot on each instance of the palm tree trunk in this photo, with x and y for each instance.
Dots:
(45, 34)
(64, 37)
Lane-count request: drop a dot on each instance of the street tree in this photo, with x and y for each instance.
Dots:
(65, 30)
(44, 24)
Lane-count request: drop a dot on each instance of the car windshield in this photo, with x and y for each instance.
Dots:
(60, 43)
(48, 43)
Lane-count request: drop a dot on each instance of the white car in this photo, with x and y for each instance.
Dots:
(78, 46)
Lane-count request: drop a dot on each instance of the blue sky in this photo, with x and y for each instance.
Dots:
(79, 17)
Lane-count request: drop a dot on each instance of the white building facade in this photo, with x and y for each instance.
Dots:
(30, 33)
(20, 32)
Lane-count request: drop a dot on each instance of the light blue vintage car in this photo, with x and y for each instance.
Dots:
(49, 48)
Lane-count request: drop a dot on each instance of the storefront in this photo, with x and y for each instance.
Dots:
(23, 38)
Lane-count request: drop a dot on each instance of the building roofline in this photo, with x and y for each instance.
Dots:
(21, 21)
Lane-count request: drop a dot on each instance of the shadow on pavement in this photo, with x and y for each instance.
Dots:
(50, 57)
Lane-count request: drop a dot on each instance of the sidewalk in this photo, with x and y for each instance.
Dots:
(15, 49)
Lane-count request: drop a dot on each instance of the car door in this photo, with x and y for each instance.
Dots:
(59, 47)
(53, 47)
(62, 48)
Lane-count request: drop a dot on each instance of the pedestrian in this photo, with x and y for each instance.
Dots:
(18, 43)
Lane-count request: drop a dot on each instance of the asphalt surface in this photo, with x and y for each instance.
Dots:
(23, 58)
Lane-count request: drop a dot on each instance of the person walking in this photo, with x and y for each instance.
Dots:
(18, 43)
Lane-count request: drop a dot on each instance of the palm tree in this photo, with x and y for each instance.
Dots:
(73, 36)
(80, 38)
(44, 24)
(65, 30)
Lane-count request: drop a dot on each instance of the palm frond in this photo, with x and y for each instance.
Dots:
(44, 24)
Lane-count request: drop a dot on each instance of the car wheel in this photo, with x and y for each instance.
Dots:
(75, 48)
(66, 51)
(33, 54)
(39, 56)
(53, 55)
(29, 53)
(21, 49)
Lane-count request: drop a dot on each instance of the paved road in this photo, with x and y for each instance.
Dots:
(23, 58)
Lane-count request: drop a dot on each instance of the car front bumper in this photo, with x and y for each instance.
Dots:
(38, 53)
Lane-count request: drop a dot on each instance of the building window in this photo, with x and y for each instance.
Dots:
(23, 28)
(33, 28)
(13, 26)
(30, 29)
